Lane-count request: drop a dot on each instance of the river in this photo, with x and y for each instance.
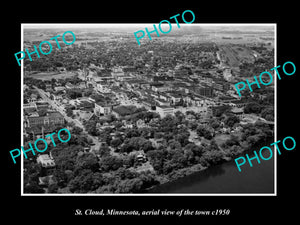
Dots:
(225, 178)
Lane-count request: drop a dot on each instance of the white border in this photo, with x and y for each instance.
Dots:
(155, 194)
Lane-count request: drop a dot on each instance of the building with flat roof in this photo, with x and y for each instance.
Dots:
(102, 109)
(164, 110)
(204, 91)
(52, 118)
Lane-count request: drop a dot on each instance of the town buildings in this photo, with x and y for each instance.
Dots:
(159, 97)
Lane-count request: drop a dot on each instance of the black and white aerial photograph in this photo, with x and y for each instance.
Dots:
(159, 117)
(162, 113)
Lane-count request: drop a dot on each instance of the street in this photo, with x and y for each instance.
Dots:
(96, 143)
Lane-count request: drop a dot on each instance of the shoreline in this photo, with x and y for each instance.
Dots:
(197, 168)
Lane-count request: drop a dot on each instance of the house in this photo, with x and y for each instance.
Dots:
(57, 97)
(42, 105)
(164, 97)
(227, 74)
(102, 86)
(224, 130)
(127, 124)
(159, 87)
(25, 87)
(33, 97)
(45, 160)
(117, 72)
(141, 123)
(141, 158)
(158, 142)
(190, 117)
(49, 87)
(82, 85)
(30, 107)
(70, 86)
(59, 88)
(239, 112)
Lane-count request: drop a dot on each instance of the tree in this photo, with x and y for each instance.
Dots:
(108, 163)
(268, 114)
(157, 158)
(124, 173)
(252, 107)
(86, 161)
(42, 112)
(32, 172)
(62, 177)
(90, 127)
(115, 143)
(233, 140)
(197, 150)
(214, 123)
(213, 157)
(52, 188)
(86, 181)
(235, 150)
(231, 120)
(129, 160)
(130, 186)
(136, 143)
(146, 146)
(73, 93)
(32, 187)
(192, 125)
(103, 150)
(76, 130)
(183, 137)
(204, 132)
(189, 156)
(220, 110)
(69, 112)
(174, 145)
(129, 133)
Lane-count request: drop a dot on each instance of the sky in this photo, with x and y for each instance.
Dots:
(133, 25)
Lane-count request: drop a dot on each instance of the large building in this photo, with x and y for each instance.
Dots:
(164, 110)
(204, 91)
(102, 109)
(52, 118)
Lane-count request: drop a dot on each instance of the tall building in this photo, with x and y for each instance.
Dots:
(102, 110)
(204, 91)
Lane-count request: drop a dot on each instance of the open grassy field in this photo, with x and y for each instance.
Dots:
(221, 138)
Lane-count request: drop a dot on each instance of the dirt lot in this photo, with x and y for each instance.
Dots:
(234, 55)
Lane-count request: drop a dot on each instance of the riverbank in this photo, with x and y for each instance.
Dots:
(186, 177)
(180, 173)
